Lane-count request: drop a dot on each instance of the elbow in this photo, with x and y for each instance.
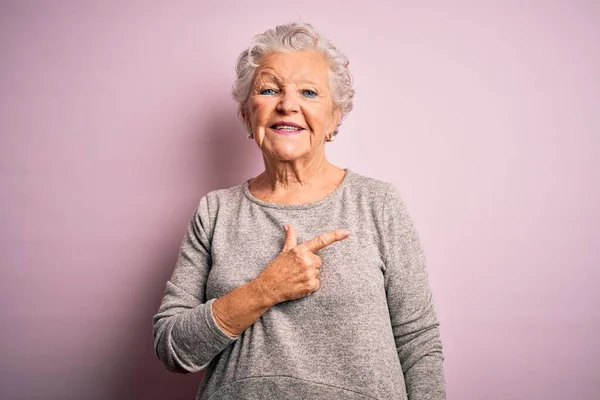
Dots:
(424, 345)
(168, 353)
(168, 359)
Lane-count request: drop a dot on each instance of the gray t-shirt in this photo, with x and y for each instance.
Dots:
(369, 332)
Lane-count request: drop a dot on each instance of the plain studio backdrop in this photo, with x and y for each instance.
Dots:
(116, 117)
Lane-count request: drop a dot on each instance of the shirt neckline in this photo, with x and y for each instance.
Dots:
(330, 197)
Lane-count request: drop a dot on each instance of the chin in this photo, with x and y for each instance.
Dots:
(288, 153)
(289, 156)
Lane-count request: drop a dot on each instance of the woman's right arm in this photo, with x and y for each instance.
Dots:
(186, 335)
(290, 276)
(190, 331)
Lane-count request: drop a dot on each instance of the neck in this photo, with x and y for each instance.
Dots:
(293, 174)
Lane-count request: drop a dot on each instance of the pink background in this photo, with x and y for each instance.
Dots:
(116, 117)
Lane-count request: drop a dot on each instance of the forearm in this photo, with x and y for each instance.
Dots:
(239, 309)
(186, 335)
(189, 335)
(421, 356)
(425, 379)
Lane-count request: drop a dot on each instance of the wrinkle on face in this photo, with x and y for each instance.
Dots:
(297, 87)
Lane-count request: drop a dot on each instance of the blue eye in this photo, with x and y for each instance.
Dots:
(309, 93)
(267, 91)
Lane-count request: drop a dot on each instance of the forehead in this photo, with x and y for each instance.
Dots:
(296, 67)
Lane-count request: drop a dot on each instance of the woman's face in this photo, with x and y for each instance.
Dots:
(292, 88)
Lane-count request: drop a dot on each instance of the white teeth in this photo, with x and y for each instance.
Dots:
(287, 128)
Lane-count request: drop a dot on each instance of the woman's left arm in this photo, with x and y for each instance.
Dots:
(410, 301)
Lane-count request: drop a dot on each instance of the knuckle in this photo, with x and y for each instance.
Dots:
(314, 285)
(306, 260)
(322, 240)
(314, 261)
(307, 275)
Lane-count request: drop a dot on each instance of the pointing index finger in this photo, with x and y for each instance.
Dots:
(325, 239)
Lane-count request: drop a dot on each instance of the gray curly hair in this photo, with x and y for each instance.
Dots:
(295, 36)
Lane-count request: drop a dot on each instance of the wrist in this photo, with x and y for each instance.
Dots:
(266, 297)
(221, 322)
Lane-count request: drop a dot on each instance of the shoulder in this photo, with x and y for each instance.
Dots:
(215, 201)
(372, 189)
(383, 199)
(221, 197)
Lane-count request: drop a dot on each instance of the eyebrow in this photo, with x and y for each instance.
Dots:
(267, 74)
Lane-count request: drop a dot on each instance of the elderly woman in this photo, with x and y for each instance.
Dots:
(307, 281)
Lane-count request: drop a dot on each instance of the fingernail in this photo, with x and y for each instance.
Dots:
(285, 228)
(345, 232)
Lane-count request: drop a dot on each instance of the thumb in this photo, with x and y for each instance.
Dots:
(291, 239)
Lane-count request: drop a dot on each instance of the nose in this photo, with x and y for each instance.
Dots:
(288, 102)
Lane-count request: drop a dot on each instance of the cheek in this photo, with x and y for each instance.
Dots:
(253, 108)
(319, 121)
(260, 113)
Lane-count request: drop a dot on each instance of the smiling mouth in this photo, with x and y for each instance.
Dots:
(286, 129)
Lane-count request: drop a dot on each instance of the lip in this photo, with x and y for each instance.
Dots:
(287, 133)
(288, 123)
(284, 132)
